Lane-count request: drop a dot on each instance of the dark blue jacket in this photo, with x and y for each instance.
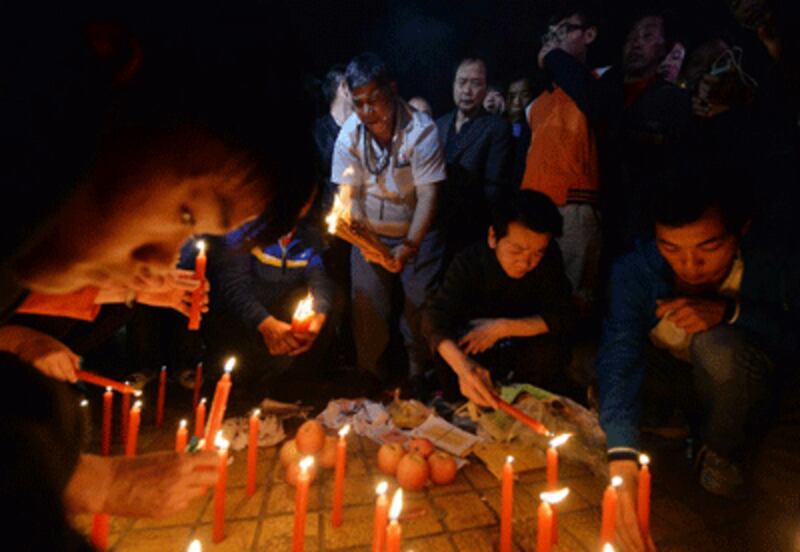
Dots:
(770, 311)
(249, 283)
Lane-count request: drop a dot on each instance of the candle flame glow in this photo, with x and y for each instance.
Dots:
(509, 459)
(183, 424)
(108, 390)
(203, 400)
(560, 440)
(338, 210)
(397, 505)
(137, 405)
(84, 403)
(305, 308)
(344, 431)
(306, 463)
(195, 546)
(616, 481)
(221, 442)
(608, 548)
(382, 487)
(137, 393)
(257, 412)
(644, 459)
(201, 246)
(229, 364)
(555, 497)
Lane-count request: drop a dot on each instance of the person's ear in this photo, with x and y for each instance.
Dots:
(492, 238)
(590, 35)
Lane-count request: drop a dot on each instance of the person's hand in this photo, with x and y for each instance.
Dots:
(46, 354)
(176, 293)
(278, 336)
(159, 485)
(701, 105)
(692, 314)
(629, 537)
(484, 334)
(402, 253)
(475, 383)
(389, 263)
(307, 339)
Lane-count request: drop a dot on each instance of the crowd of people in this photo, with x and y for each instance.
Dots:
(643, 208)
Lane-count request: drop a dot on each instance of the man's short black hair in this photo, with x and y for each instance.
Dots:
(366, 68)
(333, 78)
(472, 57)
(586, 11)
(532, 209)
(670, 27)
(681, 197)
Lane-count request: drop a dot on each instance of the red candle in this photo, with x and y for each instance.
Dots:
(534, 425)
(394, 533)
(133, 429)
(161, 397)
(252, 451)
(552, 476)
(102, 381)
(301, 321)
(181, 437)
(338, 486)
(381, 517)
(125, 410)
(643, 501)
(197, 295)
(610, 511)
(198, 384)
(100, 531)
(200, 418)
(105, 436)
(544, 538)
(218, 530)
(220, 403)
(301, 504)
(507, 502)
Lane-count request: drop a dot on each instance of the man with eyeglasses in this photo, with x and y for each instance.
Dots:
(562, 159)
(388, 161)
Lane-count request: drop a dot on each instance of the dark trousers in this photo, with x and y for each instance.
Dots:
(384, 302)
(539, 360)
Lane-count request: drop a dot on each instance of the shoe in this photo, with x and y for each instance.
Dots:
(720, 476)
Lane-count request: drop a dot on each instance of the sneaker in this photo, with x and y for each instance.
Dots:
(720, 476)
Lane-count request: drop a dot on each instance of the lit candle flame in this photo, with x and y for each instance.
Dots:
(644, 459)
(608, 548)
(231, 362)
(221, 442)
(305, 308)
(137, 393)
(509, 459)
(560, 440)
(137, 405)
(84, 403)
(306, 463)
(338, 210)
(382, 487)
(203, 400)
(555, 497)
(397, 505)
(257, 412)
(616, 481)
(108, 390)
(183, 424)
(195, 546)
(344, 431)
(201, 246)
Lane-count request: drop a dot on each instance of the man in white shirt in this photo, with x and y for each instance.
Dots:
(389, 161)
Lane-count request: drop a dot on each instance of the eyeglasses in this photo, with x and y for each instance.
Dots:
(560, 32)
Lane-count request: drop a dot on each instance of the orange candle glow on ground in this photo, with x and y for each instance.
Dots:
(338, 485)
(218, 530)
(544, 536)
(301, 504)
(252, 451)
(195, 309)
(507, 504)
(161, 397)
(220, 403)
(198, 384)
(643, 500)
(609, 522)
(108, 409)
(125, 411)
(181, 437)
(394, 533)
(301, 321)
(133, 429)
(200, 418)
(381, 517)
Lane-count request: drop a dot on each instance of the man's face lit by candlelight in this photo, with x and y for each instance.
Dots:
(126, 224)
(520, 250)
(375, 106)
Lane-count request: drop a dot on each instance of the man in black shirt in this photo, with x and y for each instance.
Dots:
(505, 304)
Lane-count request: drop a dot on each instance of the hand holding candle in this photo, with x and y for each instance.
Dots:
(338, 487)
(355, 233)
(303, 315)
(381, 517)
(199, 294)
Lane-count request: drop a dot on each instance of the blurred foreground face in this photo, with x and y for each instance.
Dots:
(520, 250)
(469, 86)
(142, 200)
